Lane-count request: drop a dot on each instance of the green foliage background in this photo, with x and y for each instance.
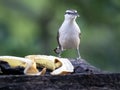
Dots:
(30, 27)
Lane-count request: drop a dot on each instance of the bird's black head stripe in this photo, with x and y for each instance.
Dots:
(71, 12)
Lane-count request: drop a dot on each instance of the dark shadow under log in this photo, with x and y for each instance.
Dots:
(84, 77)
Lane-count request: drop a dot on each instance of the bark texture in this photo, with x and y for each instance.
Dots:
(84, 77)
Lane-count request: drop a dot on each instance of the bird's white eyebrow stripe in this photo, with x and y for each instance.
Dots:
(71, 12)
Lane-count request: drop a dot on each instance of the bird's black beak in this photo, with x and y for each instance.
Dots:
(76, 14)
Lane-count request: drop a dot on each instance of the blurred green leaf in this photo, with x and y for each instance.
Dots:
(30, 27)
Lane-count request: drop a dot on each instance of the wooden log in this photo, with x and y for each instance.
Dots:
(84, 77)
(82, 66)
(106, 81)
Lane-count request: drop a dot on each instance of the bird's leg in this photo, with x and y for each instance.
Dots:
(59, 55)
(60, 52)
(79, 57)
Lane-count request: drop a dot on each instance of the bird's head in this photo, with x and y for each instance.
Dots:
(71, 14)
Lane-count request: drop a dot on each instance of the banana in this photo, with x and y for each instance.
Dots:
(29, 65)
(14, 61)
(50, 62)
(59, 66)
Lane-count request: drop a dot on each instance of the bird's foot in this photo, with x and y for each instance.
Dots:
(79, 58)
(59, 55)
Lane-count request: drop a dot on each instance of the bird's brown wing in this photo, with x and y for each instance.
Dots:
(59, 46)
(80, 35)
(58, 39)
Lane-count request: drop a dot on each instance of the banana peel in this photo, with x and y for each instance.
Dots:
(29, 65)
(59, 66)
(65, 69)
(14, 61)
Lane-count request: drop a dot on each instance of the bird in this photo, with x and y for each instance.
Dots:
(68, 36)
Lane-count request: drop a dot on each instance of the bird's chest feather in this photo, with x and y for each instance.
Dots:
(69, 37)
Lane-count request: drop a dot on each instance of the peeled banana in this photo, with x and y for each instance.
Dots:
(29, 65)
(59, 66)
(50, 62)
